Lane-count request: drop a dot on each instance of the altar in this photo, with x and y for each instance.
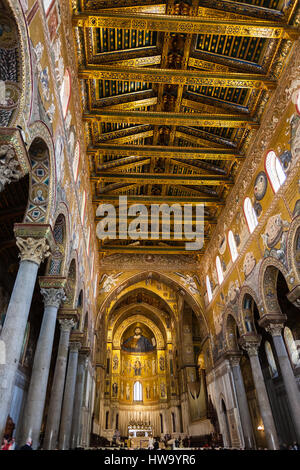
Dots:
(139, 433)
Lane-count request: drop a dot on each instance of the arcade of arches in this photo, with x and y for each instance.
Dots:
(164, 102)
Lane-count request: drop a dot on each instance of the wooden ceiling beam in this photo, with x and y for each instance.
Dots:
(154, 178)
(176, 77)
(191, 153)
(184, 24)
(171, 119)
(148, 200)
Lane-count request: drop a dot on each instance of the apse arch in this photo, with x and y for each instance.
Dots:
(142, 290)
(144, 309)
(117, 335)
(162, 277)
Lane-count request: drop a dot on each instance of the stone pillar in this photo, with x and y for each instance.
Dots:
(53, 295)
(57, 390)
(33, 243)
(287, 373)
(250, 343)
(242, 402)
(78, 399)
(68, 402)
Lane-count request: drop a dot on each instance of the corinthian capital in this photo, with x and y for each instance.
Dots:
(275, 329)
(33, 249)
(53, 297)
(66, 325)
(250, 343)
(9, 166)
(75, 346)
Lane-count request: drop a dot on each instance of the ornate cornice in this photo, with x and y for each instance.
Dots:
(68, 314)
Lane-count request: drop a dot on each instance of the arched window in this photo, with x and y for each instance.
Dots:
(291, 347)
(219, 270)
(65, 92)
(208, 288)
(137, 391)
(250, 214)
(82, 210)
(232, 246)
(274, 171)
(76, 161)
(271, 360)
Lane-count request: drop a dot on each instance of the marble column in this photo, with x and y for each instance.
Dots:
(242, 402)
(287, 373)
(34, 408)
(68, 403)
(57, 390)
(78, 399)
(32, 252)
(251, 345)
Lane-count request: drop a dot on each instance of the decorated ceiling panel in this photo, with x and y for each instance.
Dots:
(173, 94)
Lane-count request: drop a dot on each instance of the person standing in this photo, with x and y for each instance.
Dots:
(28, 445)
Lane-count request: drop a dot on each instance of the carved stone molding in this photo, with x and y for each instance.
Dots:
(68, 314)
(66, 324)
(272, 321)
(53, 297)
(33, 249)
(10, 170)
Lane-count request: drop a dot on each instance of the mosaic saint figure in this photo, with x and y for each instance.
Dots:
(137, 342)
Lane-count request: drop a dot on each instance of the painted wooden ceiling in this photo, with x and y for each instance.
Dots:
(173, 92)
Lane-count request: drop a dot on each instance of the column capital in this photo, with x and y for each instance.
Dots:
(250, 342)
(53, 297)
(66, 324)
(35, 241)
(275, 329)
(10, 169)
(75, 346)
(234, 357)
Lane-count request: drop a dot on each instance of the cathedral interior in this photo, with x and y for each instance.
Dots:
(191, 106)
